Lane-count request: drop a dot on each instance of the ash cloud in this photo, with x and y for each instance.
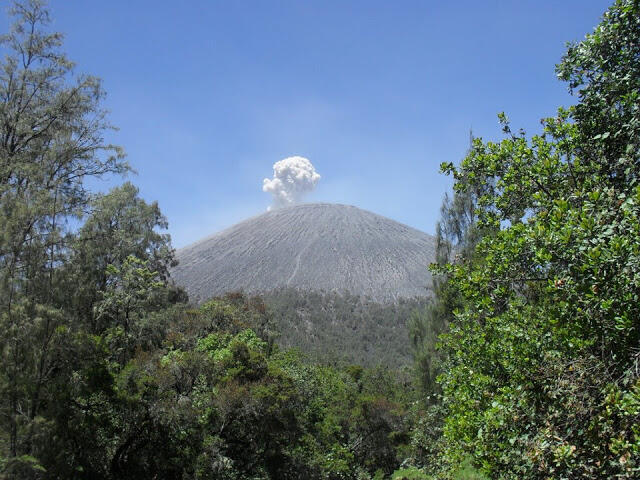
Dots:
(293, 177)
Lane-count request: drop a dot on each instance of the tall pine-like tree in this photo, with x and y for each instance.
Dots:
(51, 140)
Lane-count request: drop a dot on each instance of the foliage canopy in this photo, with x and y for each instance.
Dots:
(541, 378)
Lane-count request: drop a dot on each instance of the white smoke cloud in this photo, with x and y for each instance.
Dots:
(293, 177)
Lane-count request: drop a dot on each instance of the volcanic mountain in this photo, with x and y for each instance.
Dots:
(315, 247)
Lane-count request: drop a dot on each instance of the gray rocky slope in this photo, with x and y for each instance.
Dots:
(318, 247)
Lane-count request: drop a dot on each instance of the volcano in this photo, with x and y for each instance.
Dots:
(316, 247)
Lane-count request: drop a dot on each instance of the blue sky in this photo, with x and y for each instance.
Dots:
(209, 94)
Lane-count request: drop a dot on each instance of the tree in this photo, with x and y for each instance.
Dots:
(51, 140)
(541, 377)
(120, 224)
(457, 235)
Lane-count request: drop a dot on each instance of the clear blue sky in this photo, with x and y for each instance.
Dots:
(209, 94)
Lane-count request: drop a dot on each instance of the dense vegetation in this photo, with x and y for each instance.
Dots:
(540, 373)
(341, 328)
(526, 361)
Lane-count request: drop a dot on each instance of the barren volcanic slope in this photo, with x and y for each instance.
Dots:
(318, 247)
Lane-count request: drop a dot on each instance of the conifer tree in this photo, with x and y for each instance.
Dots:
(52, 130)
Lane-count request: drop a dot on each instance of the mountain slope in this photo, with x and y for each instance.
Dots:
(317, 247)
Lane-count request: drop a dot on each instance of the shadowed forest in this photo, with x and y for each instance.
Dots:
(524, 364)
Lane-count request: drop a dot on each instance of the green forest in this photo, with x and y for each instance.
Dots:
(342, 328)
(525, 363)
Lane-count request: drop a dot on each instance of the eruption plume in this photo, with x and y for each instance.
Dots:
(293, 177)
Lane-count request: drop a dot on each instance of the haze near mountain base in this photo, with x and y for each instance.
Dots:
(293, 177)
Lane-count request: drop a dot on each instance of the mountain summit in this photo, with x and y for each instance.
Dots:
(317, 247)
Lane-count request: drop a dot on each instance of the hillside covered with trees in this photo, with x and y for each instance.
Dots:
(342, 328)
(525, 363)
